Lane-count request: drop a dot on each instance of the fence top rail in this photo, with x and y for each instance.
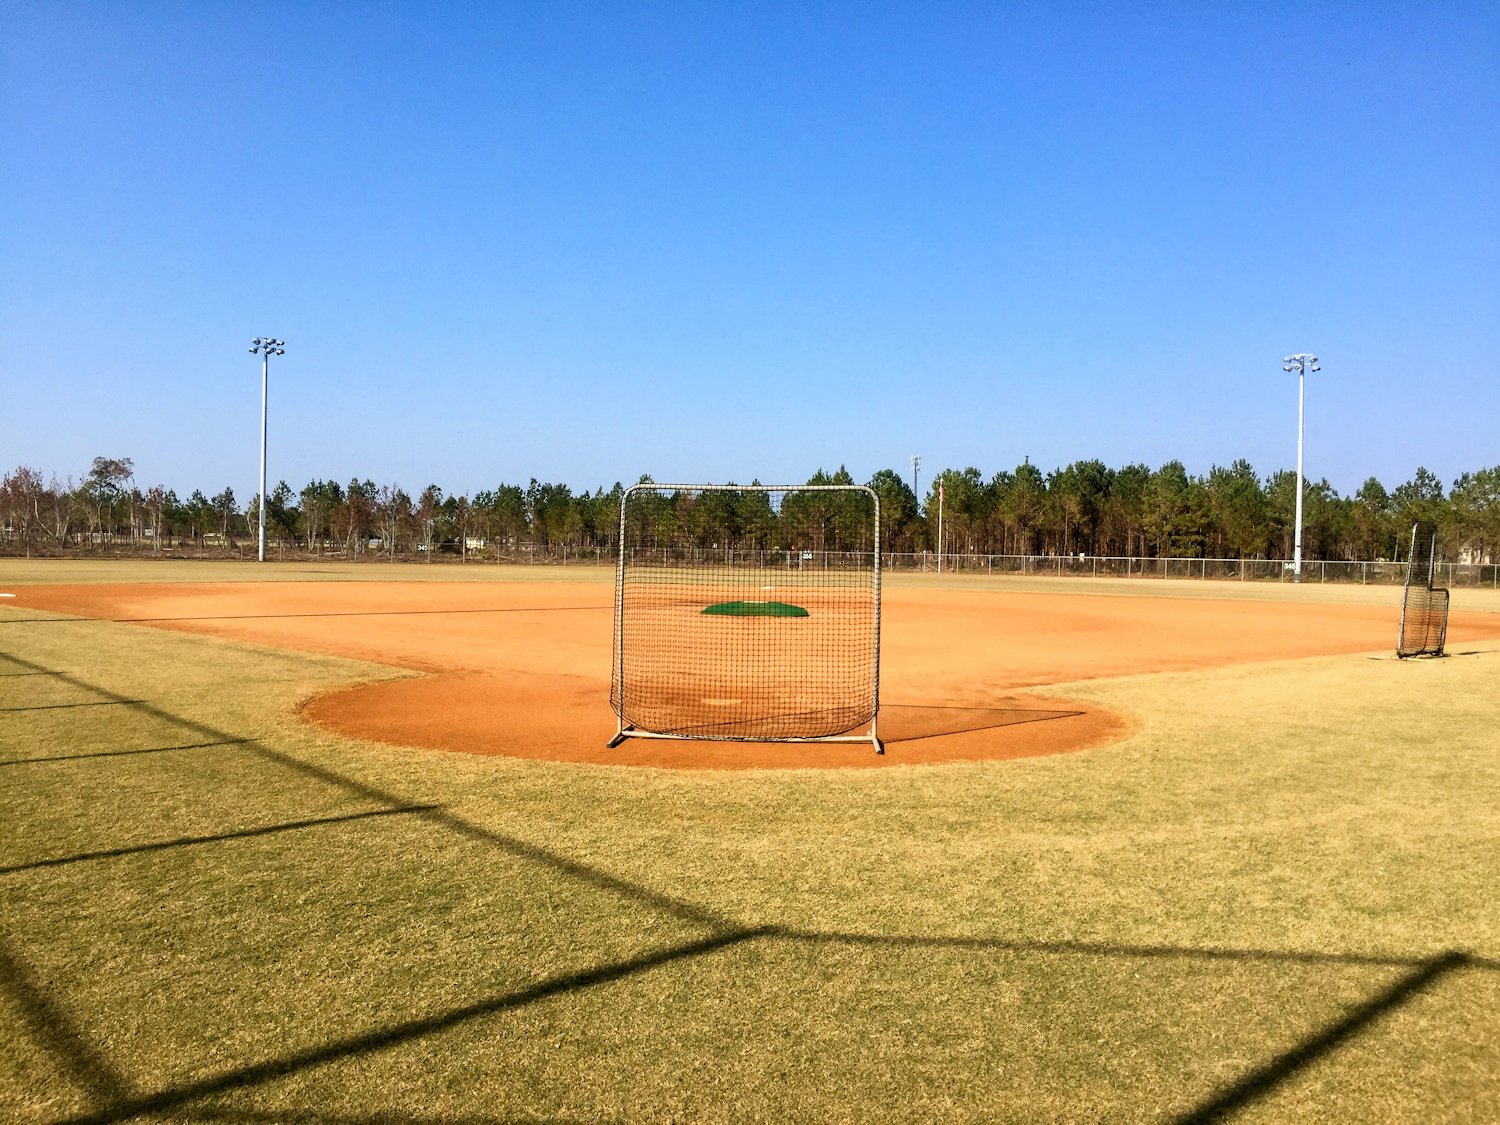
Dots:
(1176, 559)
(751, 487)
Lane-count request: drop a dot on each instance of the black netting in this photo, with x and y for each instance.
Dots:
(1424, 607)
(1422, 560)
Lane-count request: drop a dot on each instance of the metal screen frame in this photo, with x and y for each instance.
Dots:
(1424, 607)
(626, 730)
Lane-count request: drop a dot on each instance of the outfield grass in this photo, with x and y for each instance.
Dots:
(1276, 901)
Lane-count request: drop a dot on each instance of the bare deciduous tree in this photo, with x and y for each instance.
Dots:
(21, 494)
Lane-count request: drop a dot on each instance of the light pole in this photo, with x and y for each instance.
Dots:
(916, 462)
(1301, 363)
(265, 347)
(940, 524)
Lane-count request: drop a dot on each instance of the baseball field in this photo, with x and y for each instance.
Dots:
(337, 844)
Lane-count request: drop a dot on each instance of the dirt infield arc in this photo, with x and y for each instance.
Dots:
(522, 668)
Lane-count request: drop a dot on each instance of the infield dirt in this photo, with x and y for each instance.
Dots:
(522, 668)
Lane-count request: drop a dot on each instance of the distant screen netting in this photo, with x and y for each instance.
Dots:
(748, 613)
(1421, 560)
(1424, 607)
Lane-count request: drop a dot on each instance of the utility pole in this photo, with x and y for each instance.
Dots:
(940, 525)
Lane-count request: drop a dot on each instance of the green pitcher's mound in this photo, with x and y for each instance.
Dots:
(755, 609)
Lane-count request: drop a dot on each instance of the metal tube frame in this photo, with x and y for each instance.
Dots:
(624, 730)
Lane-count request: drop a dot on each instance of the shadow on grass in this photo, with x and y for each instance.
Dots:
(905, 722)
(434, 814)
(1259, 1082)
(1110, 949)
(58, 1034)
(216, 838)
(73, 706)
(1267, 1077)
(408, 1031)
(127, 753)
(313, 1117)
(55, 1030)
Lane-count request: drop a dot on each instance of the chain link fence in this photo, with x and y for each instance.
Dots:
(1371, 573)
(1245, 570)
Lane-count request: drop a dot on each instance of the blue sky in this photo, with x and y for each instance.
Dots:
(713, 241)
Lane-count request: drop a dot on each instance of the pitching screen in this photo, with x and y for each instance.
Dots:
(747, 612)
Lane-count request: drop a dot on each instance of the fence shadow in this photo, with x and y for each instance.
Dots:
(71, 706)
(315, 1117)
(215, 838)
(906, 722)
(59, 1034)
(1265, 1078)
(125, 753)
(1423, 974)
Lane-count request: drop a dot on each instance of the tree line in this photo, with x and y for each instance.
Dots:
(1085, 508)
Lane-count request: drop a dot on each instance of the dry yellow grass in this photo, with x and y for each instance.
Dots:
(1276, 900)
